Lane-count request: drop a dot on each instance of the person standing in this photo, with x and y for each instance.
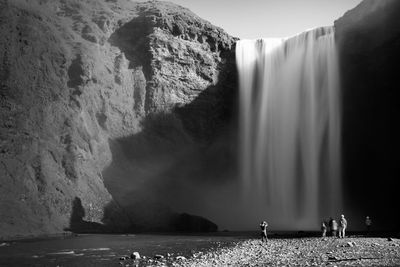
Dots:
(368, 223)
(323, 229)
(334, 227)
(330, 225)
(263, 226)
(342, 226)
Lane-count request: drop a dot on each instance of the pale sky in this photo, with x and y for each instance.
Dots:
(251, 19)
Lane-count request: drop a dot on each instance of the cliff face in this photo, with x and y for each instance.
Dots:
(118, 116)
(101, 100)
(369, 42)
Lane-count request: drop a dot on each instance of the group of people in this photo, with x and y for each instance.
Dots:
(334, 227)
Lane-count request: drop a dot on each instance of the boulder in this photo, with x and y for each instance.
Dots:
(135, 255)
(190, 223)
(350, 244)
(158, 257)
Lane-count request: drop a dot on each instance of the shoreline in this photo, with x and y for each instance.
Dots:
(204, 249)
(247, 234)
(34, 237)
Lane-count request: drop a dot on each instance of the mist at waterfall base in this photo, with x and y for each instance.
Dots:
(290, 129)
(288, 171)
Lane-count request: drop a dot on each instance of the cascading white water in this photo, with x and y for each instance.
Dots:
(290, 128)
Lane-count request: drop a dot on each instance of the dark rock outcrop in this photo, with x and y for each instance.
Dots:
(188, 223)
(369, 43)
(91, 95)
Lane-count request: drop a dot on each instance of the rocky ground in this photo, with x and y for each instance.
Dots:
(353, 251)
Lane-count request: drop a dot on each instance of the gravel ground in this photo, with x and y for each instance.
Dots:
(353, 251)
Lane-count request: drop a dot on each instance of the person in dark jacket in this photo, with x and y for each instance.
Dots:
(263, 226)
(368, 223)
(323, 228)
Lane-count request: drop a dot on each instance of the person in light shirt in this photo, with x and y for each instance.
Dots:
(342, 226)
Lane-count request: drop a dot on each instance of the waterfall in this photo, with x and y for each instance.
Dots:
(290, 128)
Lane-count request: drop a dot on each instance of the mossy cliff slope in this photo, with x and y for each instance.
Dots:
(76, 78)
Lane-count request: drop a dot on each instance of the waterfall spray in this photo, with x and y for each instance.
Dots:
(290, 127)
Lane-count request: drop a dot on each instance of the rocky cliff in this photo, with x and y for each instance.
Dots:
(108, 109)
(369, 43)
